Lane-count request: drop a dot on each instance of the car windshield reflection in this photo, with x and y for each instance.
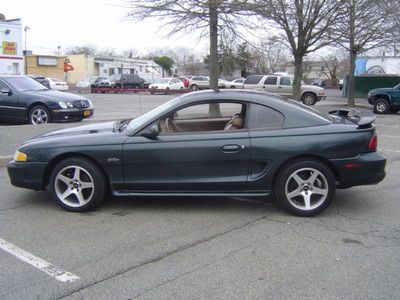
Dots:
(23, 84)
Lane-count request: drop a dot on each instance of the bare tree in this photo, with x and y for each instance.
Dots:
(364, 25)
(206, 16)
(269, 57)
(335, 66)
(305, 26)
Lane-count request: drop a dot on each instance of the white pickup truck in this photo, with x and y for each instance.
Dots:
(283, 85)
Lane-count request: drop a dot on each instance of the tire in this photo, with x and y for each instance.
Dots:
(305, 187)
(381, 106)
(309, 99)
(394, 110)
(38, 115)
(77, 184)
(194, 87)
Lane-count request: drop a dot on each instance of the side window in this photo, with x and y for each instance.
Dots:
(3, 85)
(253, 79)
(272, 80)
(204, 118)
(286, 81)
(261, 116)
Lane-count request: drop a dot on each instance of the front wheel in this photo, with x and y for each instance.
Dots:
(305, 187)
(309, 99)
(381, 106)
(39, 115)
(194, 87)
(77, 184)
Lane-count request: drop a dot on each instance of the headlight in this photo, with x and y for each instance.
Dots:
(20, 156)
(90, 102)
(70, 105)
(62, 104)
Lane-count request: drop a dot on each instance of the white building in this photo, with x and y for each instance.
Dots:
(11, 47)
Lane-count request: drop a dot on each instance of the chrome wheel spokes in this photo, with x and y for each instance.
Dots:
(306, 189)
(39, 116)
(74, 186)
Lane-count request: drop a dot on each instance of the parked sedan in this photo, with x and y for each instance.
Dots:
(57, 84)
(235, 84)
(203, 82)
(227, 143)
(23, 99)
(166, 84)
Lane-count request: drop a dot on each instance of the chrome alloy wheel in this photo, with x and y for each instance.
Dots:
(39, 116)
(74, 186)
(381, 107)
(306, 189)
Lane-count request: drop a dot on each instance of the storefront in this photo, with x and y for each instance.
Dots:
(11, 49)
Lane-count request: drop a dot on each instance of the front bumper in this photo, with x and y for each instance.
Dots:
(27, 175)
(366, 168)
(73, 114)
(319, 98)
(371, 100)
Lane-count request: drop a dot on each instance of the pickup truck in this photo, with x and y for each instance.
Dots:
(385, 100)
(283, 85)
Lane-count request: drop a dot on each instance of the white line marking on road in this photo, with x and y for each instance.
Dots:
(37, 262)
(389, 136)
(6, 157)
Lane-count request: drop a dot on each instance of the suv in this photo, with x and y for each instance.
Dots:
(122, 81)
(203, 82)
(283, 85)
(385, 100)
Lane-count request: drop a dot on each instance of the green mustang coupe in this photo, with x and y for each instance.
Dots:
(227, 143)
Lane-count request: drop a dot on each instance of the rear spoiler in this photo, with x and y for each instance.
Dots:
(363, 120)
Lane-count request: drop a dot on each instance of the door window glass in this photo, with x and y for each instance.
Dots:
(272, 80)
(286, 81)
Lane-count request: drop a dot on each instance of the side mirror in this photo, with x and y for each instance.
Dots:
(6, 91)
(151, 132)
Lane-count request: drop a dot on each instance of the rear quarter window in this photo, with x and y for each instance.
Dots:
(263, 117)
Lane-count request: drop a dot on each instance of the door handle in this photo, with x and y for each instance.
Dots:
(231, 148)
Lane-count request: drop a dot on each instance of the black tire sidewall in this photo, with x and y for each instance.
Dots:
(279, 188)
(98, 181)
(49, 118)
(384, 101)
(309, 94)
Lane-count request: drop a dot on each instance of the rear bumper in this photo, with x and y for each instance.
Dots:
(72, 114)
(27, 175)
(366, 168)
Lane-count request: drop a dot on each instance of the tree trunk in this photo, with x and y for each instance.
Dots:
(351, 83)
(298, 77)
(214, 68)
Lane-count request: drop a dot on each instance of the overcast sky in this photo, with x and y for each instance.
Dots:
(101, 23)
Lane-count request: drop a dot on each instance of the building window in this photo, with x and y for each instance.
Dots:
(47, 61)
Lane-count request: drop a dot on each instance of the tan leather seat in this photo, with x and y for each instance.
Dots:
(235, 123)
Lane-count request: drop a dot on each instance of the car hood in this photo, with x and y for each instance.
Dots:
(381, 90)
(311, 87)
(54, 95)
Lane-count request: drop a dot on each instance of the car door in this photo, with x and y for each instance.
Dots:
(285, 86)
(10, 108)
(196, 161)
(396, 96)
(270, 84)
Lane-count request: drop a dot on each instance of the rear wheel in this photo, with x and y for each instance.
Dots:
(77, 184)
(194, 87)
(305, 187)
(381, 106)
(39, 115)
(309, 99)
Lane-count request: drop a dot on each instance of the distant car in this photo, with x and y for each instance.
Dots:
(283, 85)
(166, 84)
(203, 82)
(42, 80)
(122, 81)
(87, 82)
(235, 84)
(96, 83)
(257, 145)
(23, 99)
(385, 100)
(341, 84)
(185, 80)
(57, 84)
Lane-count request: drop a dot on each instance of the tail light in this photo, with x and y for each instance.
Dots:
(373, 142)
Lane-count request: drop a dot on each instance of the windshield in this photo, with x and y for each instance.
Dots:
(397, 86)
(114, 77)
(308, 108)
(162, 80)
(24, 83)
(147, 117)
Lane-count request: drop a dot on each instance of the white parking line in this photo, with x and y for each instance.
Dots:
(37, 262)
(390, 150)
